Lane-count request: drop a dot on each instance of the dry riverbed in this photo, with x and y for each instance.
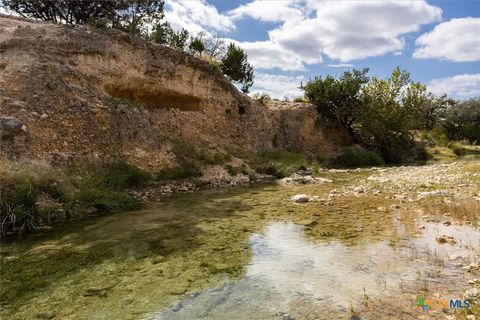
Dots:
(366, 243)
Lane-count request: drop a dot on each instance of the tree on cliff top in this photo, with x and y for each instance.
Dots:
(132, 16)
(237, 68)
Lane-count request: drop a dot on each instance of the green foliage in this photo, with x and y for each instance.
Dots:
(217, 158)
(187, 152)
(164, 34)
(435, 136)
(189, 159)
(234, 170)
(214, 63)
(104, 199)
(338, 100)
(196, 45)
(263, 98)
(63, 11)
(391, 109)
(457, 148)
(379, 114)
(136, 16)
(184, 171)
(161, 33)
(237, 68)
(102, 187)
(178, 40)
(17, 206)
(279, 164)
(357, 157)
(462, 121)
(133, 16)
(121, 175)
(300, 99)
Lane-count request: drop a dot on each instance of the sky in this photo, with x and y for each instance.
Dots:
(291, 41)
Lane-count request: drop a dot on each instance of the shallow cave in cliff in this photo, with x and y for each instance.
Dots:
(157, 98)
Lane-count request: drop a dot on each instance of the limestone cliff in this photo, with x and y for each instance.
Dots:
(80, 92)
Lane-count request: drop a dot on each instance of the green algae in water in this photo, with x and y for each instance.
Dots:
(235, 253)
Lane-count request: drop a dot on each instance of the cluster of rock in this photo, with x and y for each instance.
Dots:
(158, 192)
(303, 179)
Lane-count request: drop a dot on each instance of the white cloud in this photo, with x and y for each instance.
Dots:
(459, 86)
(455, 40)
(196, 16)
(268, 55)
(281, 10)
(341, 65)
(341, 30)
(278, 86)
(350, 30)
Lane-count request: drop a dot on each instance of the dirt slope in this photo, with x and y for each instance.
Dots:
(76, 92)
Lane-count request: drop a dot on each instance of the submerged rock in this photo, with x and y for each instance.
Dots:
(299, 198)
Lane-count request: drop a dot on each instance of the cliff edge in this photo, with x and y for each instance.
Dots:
(68, 93)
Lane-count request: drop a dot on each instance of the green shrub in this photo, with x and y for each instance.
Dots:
(17, 206)
(420, 153)
(457, 148)
(462, 121)
(187, 153)
(121, 175)
(106, 191)
(272, 169)
(279, 163)
(300, 99)
(18, 211)
(185, 171)
(357, 157)
(105, 200)
(379, 114)
(102, 187)
(216, 158)
(234, 170)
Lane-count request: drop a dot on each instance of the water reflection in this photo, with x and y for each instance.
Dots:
(291, 277)
(248, 253)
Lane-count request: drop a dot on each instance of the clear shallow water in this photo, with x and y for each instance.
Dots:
(289, 275)
(235, 254)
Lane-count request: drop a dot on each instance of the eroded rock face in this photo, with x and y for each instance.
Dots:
(99, 94)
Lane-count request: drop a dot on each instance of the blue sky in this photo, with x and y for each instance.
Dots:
(290, 41)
